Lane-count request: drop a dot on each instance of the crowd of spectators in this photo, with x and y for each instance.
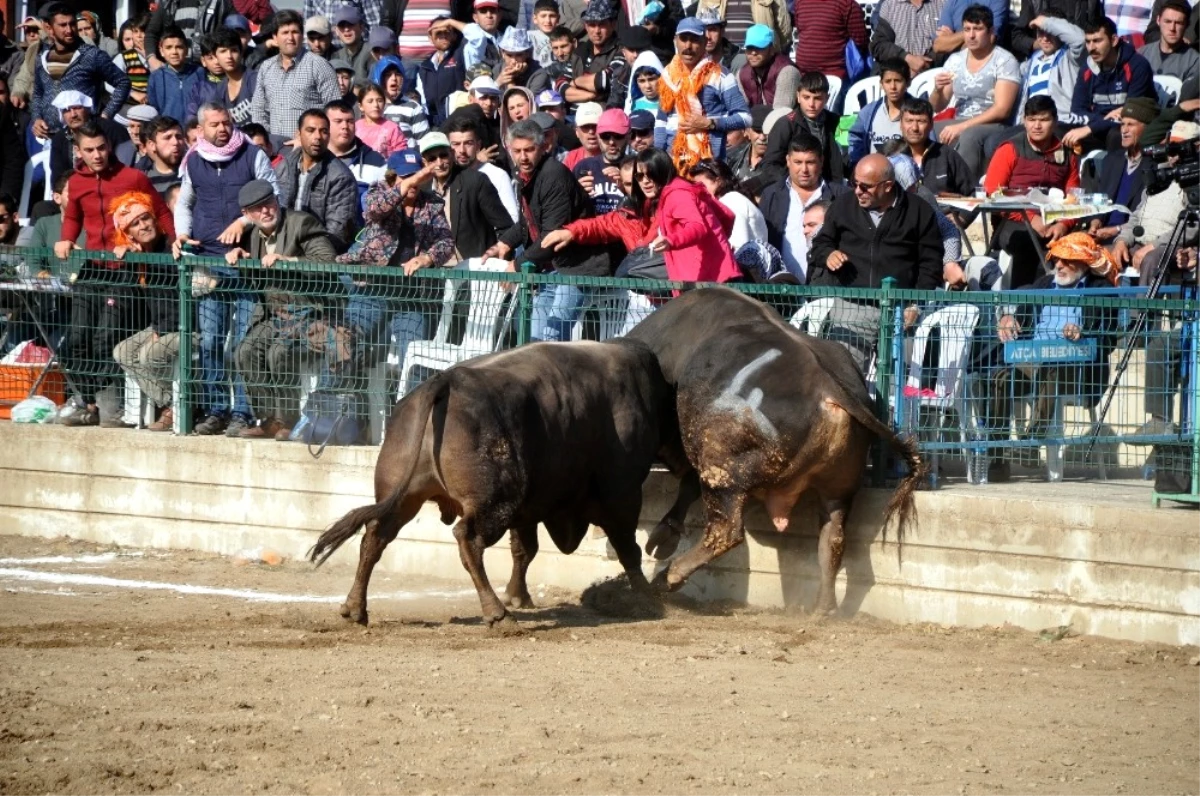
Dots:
(575, 136)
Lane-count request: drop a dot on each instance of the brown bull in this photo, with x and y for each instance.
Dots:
(764, 412)
(558, 433)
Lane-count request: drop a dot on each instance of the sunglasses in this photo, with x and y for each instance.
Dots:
(437, 154)
(642, 133)
(865, 187)
(611, 137)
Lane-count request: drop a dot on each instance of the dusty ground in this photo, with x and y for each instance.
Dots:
(108, 689)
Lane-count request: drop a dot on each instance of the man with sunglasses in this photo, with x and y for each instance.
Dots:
(873, 232)
(600, 175)
(479, 222)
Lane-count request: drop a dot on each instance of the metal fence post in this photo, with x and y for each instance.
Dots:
(183, 397)
(883, 372)
(524, 288)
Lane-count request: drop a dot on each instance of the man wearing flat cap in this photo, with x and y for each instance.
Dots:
(267, 357)
(1122, 171)
(598, 59)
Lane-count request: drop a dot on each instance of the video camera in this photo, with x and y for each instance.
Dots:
(1185, 170)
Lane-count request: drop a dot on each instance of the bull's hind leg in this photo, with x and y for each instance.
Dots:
(524, 544)
(621, 529)
(829, 551)
(473, 537)
(377, 536)
(723, 531)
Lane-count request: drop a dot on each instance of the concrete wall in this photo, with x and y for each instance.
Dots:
(1035, 555)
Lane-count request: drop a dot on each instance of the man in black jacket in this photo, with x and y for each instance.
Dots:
(480, 224)
(551, 198)
(811, 117)
(784, 202)
(873, 233)
(943, 170)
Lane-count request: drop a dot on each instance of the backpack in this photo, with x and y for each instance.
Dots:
(330, 418)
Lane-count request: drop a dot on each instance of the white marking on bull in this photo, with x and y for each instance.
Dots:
(731, 399)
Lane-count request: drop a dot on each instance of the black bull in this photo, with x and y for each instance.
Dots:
(562, 434)
(766, 412)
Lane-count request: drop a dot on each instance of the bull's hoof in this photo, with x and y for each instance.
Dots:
(639, 584)
(663, 583)
(519, 601)
(354, 614)
(504, 626)
(663, 541)
(823, 613)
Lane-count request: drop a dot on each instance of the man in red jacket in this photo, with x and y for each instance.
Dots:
(98, 179)
(106, 297)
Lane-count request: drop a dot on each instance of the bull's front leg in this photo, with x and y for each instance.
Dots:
(664, 539)
(723, 531)
(524, 544)
(472, 537)
(829, 552)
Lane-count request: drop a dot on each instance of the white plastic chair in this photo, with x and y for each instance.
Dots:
(811, 318)
(956, 324)
(483, 331)
(835, 90)
(861, 94)
(1168, 88)
(923, 84)
(1097, 155)
(41, 159)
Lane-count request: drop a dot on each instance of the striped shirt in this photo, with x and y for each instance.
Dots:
(281, 95)
(915, 26)
(412, 39)
(409, 115)
(372, 10)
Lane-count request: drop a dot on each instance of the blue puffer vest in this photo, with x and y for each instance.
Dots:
(216, 187)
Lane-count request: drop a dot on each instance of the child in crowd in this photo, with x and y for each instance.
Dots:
(643, 88)
(345, 78)
(170, 85)
(405, 112)
(545, 20)
(373, 129)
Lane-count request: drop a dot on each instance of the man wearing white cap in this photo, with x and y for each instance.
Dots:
(484, 92)
(317, 35)
(75, 108)
(587, 120)
(481, 43)
(481, 226)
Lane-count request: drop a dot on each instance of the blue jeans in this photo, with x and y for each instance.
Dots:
(556, 308)
(365, 316)
(216, 313)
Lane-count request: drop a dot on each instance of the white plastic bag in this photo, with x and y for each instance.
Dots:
(38, 409)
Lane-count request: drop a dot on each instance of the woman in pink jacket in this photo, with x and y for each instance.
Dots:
(693, 227)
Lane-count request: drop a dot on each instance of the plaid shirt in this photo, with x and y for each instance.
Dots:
(282, 95)
(1131, 16)
(372, 10)
(915, 26)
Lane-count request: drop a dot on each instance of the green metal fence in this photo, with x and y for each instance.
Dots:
(197, 345)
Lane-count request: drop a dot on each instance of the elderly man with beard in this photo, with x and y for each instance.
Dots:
(75, 108)
(208, 218)
(479, 222)
(1079, 263)
(149, 355)
(269, 358)
(313, 179)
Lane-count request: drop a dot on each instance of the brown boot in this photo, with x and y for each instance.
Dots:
(165, 422)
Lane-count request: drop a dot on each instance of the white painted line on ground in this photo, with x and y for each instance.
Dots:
(100, 558)
(67, 578)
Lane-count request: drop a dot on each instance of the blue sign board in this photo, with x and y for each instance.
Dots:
(1034, 352)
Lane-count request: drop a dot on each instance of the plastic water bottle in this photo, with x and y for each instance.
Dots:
(977, 465)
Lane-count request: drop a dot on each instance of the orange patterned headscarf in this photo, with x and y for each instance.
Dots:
(124, 209)
(679, 92)
(1081, 247)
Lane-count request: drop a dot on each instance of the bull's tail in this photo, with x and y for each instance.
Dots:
(902, 507)
(410, 432)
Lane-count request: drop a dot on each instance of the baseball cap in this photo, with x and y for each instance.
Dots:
(613, 120)
(484, 85)
(316, 24)
(32, 22)
(641, 120)
(544, 121)
(434, 140)
(690, 26)
(652, 12)
(347, 14)
(341, 65)
(548, 98)
(487, 4)
(236, 22)
(588, 113)
(758, 115)
(382, 38)
(760, 37)
(405, 162)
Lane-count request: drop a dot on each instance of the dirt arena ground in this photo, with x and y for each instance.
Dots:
(127, 671)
